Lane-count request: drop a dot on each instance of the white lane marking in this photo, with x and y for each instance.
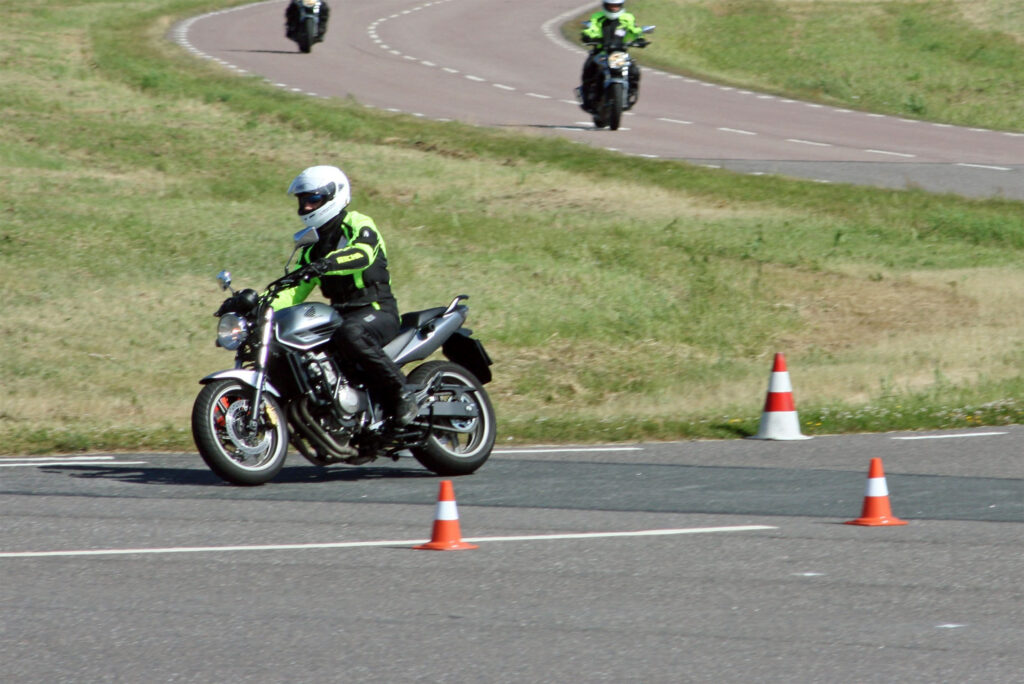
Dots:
(890, 153)
(567, 450)
(475, 78)
(350, 545)
(502, 86)
(675, 121)
(538, 95)
(736, 130)
(984, 166)
(67, 463)
(972, 434)
(808, 142)
(67, 458)
(41, 461)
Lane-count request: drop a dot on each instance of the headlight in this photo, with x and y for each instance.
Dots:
(617, 60)
(232, 331)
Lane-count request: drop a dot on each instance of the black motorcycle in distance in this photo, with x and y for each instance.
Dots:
(306, 22)
(286, 389)
(609, 93)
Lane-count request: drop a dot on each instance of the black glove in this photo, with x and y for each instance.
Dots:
(243, 302)
(641, 42)
(314, 269)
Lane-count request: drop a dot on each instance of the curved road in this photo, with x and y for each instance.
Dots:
(462, 59)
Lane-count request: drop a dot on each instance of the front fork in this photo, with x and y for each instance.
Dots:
(261, 369)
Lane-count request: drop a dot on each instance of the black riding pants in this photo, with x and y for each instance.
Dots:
(359, 346)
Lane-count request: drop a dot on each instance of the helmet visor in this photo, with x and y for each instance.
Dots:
(313, 199)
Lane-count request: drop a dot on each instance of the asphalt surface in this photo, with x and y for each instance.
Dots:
(144, 567)
(466, 60)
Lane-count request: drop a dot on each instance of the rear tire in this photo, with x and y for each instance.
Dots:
(235, 454)
(455, 446)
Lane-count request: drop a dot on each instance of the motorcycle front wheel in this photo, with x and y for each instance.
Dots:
(307, 35)
(614, 101)
(236, 453)
(454, 445)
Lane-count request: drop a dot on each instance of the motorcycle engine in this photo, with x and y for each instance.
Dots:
(328, 382)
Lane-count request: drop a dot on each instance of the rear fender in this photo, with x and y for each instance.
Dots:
(468, 352)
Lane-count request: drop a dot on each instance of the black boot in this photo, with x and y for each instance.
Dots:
(406, 409)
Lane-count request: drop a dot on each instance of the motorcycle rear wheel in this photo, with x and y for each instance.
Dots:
(234, 453)
(455, 446)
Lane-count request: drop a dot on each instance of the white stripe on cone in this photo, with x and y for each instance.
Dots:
(779, 382)
(876, 487)
(782, 425)
(446, 510)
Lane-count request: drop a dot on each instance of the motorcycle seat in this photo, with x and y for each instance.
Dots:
(416, 319)
(411, 322)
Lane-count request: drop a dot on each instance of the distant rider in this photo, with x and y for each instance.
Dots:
(609, 26)
(350, 263)
(291, 19)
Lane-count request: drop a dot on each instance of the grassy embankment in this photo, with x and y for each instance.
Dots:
(132, 173)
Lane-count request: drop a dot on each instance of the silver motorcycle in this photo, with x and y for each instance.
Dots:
(286, 389)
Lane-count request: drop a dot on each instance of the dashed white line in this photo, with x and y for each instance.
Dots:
(675, 121)
(891, 153)
(984, 166)
(957, 436)
(736, 130)
(808, 142)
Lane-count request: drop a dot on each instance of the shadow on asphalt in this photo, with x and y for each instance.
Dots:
(197, 477)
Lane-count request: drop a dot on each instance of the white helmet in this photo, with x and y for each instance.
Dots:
(328, 181)
(613, 3)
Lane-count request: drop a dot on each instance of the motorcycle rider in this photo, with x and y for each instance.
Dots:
(291, 19)
(608, 23)
(350, 263)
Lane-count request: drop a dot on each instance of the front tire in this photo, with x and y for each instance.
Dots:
(307, 35)
(615, 102)
(455, 446)
(232, 451)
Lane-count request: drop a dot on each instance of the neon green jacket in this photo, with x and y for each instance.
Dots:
(354, 249)
(597, 30)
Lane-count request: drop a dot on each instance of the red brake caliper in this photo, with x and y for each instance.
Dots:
(219, 419)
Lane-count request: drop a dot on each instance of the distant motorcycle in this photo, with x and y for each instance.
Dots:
(609, 91)
(286, 388)
(306, 22)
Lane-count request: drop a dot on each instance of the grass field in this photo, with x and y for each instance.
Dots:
(132, 173)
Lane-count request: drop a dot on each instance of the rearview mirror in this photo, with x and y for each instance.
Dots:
(306, 236)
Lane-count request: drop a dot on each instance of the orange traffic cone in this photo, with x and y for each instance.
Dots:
(779, 419)
(446, 535)
(876, 509)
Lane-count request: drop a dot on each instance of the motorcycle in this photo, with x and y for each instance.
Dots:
(286, 389)
(609, 91)
(306, 22)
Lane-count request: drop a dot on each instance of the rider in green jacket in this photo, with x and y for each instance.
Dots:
(609, 23)
(349, 262)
